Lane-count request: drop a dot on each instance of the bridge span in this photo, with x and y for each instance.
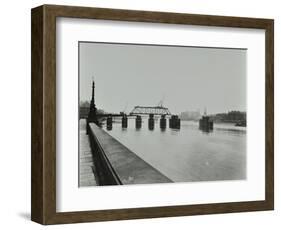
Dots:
(147, 110)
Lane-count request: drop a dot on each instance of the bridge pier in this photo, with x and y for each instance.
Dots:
(109, 123)
(205, 124)
(174, 122)
(163, 122)
(138, 122)
(151, 122)
(124, 121)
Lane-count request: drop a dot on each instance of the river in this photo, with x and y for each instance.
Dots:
(188, 154)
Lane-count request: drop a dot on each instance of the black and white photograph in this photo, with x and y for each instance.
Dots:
(146, 112)
(161, 114)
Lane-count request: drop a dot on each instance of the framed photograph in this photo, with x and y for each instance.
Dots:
(139, 114)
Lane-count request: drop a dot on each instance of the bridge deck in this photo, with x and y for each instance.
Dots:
(129, 167)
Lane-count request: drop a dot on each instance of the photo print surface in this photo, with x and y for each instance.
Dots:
(161, 114)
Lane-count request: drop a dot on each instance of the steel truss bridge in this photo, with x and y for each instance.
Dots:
(146, 110)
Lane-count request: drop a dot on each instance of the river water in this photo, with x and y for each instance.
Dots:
(188, 154)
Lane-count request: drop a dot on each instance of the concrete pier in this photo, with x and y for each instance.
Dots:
(174, 122)
(109, 123)
(205, 124)
(124, 121)
(151, 122)
(163, 122)
(138, 122)
(116, 164)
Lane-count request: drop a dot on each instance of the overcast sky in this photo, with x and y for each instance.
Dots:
(188, 78)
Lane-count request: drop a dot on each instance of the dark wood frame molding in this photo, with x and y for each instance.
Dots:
(43, 160)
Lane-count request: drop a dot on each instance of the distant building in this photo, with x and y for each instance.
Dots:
(236, 117)
(190, 115)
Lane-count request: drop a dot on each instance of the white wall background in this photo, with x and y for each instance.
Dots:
(15, 114)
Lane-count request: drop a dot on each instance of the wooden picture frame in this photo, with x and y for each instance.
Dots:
(43, 202)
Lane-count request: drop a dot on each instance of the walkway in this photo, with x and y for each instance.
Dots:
(86, 164)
